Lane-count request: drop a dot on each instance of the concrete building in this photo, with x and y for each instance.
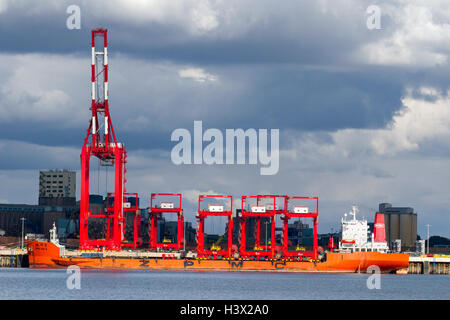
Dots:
(57, 201)
(39, 219)
(189, 235)
(420, 246)
(400, 223)
(57, 188)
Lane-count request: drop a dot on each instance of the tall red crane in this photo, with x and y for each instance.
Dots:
(101, 142)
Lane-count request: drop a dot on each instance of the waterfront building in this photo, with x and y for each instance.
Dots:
(400, 224)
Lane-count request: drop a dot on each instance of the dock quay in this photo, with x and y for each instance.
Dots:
(18, 258)
(13, 258)
(437, 264)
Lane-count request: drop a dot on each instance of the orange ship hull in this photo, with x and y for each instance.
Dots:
(47, 255)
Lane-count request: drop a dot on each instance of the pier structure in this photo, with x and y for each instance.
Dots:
(13, 258)
(429, 264)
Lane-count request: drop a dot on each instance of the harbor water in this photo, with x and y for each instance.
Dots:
(25, 283)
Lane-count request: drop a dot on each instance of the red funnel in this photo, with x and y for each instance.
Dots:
(378, 227)
(331, 245)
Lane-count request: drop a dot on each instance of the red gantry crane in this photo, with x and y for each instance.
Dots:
(130, 207)
(260, 210)
(218, 210)
(156, 210)
(300, 211)
(101, 142)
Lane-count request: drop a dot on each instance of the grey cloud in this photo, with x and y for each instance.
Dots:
(293, 66)
(150, 100)
(300, 32)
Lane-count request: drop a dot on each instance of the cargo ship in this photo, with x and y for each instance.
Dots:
(355, 253)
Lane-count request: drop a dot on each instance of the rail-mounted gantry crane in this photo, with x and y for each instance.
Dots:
(223, 209)
(156, 210)
(296, 211)
(259, 210)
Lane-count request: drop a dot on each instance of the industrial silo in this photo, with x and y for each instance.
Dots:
(387, 227)
(401, 223)
(405, 231)
(394, 228)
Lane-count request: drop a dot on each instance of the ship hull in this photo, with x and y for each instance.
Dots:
(46, 255)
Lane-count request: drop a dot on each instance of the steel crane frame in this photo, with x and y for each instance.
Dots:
(134, 210)
(277, 211)
(105, 147)
(202, 214)
(311, 215)
(154, 212)
(245, 214)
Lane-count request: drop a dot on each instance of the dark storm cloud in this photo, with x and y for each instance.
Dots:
(74, 137)
(291, 65)
(319, 100)
(296, 32)
(265, 97)
(265, 62)
(22, 155)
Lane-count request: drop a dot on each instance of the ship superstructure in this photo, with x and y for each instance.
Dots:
(355, 234)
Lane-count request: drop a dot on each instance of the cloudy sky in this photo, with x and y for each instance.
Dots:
(363, 114)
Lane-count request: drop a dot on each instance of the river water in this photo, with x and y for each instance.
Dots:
(192, 285)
